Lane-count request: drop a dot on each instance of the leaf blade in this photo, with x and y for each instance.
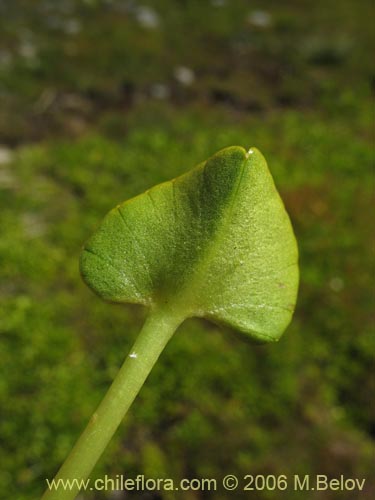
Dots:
(217, 233)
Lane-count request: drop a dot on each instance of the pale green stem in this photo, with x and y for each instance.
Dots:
(155, 334)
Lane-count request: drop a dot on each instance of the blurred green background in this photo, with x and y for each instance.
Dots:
(100, 100)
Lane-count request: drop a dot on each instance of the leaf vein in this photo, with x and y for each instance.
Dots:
(108, 262)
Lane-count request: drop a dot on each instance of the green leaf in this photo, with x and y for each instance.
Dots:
(215, 242)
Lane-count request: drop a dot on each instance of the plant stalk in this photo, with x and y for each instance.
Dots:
(154, 336)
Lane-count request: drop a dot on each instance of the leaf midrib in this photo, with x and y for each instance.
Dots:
(213, 244)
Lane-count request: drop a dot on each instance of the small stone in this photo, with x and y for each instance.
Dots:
(27, 50)
(72, 27)
(184, 75)
(6, 155)
(147, 17)
(260, 18)
(159, 91)
(336, 284)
